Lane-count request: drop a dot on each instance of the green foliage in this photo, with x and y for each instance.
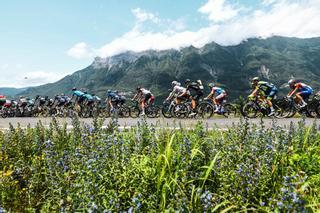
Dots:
(149, 168)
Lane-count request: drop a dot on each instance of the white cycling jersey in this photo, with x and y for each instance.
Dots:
(145, 91)
(178, 90)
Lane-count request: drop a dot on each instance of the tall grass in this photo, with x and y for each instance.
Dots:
(146, 168)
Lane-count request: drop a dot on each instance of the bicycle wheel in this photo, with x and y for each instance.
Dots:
(205, 110)
(152, 111)
(180, 111)
(134, 112)
(166, 111)
(3, 113)
(249, 110)
(124, 111)
(230, 110)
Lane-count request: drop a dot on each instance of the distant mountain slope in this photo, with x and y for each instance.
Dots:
(11, 92)
(276, 59)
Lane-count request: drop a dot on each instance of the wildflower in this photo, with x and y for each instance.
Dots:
(130, 210)
(2, 210)
(280, 204)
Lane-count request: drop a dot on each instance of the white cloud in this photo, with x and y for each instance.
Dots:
(80, 51)
(39, 77)
(33, 78)
(142, 16)
(219, 10)
(285, 18)
(4, 66)
(269, 2)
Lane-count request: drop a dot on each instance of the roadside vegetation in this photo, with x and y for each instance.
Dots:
(150, 168)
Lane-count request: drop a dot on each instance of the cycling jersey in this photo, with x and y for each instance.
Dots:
(145, 91)
(2, 100)
(304, 90)
(8, 104)
(178, 90)
(194, 87)
(113, 96)
(96, 98)
(88, 97)
(66, 98)
(217, 90)
(303, 87)
(62, 99)
(265, 86)
(78, 93)
(268, 89)
(197, 90)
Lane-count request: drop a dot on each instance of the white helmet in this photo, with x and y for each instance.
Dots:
(175, 83)
(292, 81)
(255, 79)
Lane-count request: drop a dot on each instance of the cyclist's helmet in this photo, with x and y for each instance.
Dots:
(109, 91)
(174, 83)
(292, 82)
(255, 79)
(211, 85)
(138, 88)
(187, 81)
(74, 89)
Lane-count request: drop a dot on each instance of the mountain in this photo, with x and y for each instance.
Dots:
(276, 59)
(11, 92)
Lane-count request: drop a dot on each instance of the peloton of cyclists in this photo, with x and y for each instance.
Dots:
(193, 90)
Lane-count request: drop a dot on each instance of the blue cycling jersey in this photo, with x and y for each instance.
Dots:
(113, 96)
(88, 97)
(78, 93)
(97, 98)
(218, 90)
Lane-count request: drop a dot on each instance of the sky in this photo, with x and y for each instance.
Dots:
(42, 41)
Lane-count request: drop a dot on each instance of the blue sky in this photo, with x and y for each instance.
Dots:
(44, 40)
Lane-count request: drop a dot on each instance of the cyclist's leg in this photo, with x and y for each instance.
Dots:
(303, 96)
(270, 97)
(218, 101)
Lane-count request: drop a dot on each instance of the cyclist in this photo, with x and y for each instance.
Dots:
(88, 99)
(61, 100)
(303, 91)
(176, 92)
(221, 95)
(96, 99)
(66, 99)
(266, 89)
(145, 97)
(194, 91)
(2, 100)
(112, 99)
(78, 94)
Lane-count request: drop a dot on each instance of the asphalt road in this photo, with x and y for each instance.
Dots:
(221, 123)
